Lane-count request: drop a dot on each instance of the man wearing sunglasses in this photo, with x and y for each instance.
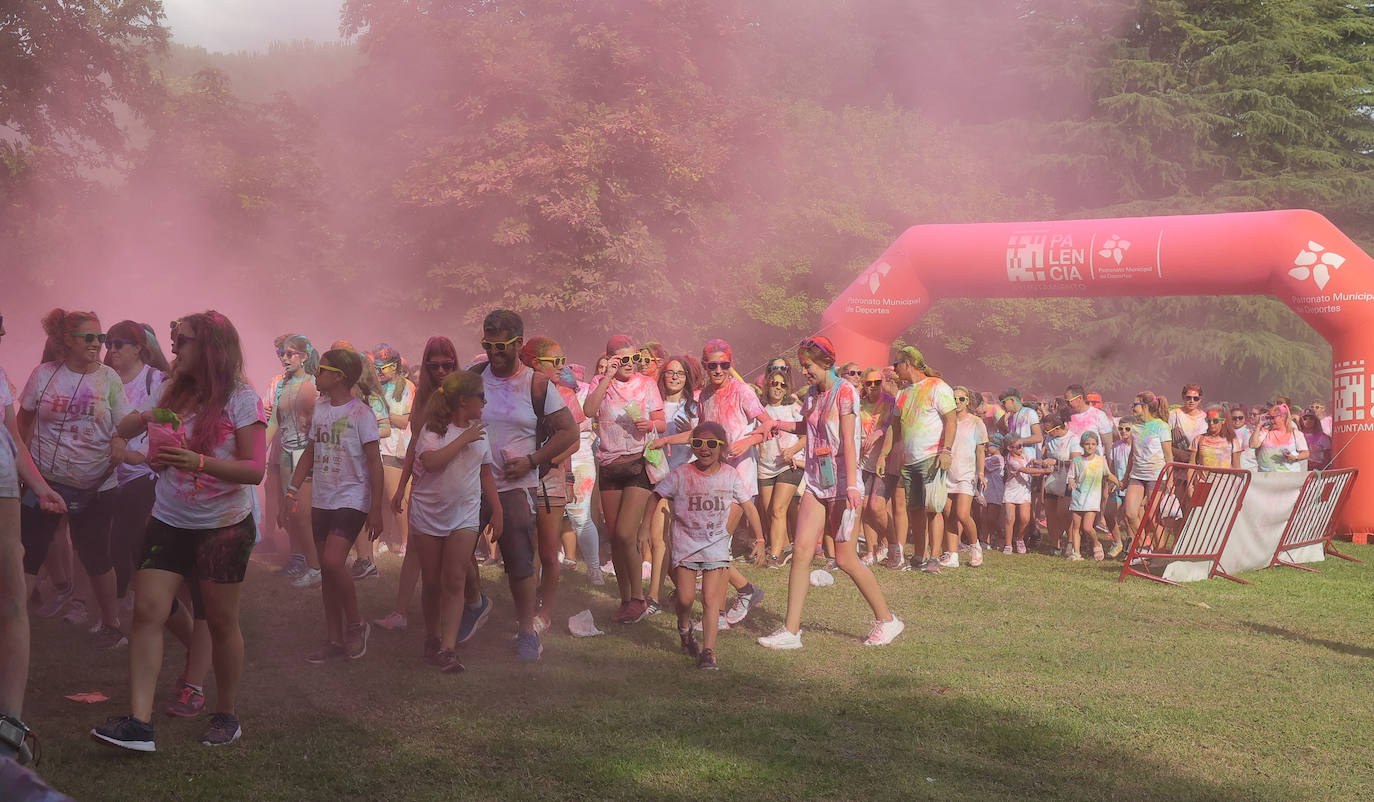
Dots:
(1084, 417)
(512, 391)
(923, 430)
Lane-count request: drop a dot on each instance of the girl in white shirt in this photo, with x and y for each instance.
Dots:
(452, 475)
(344, 461)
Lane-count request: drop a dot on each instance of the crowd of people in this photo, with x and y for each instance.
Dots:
(688, 469)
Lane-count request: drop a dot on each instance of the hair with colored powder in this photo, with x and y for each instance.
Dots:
(300, 342)
(619, 342)
(441, 404)
(536, 347)
(1155, 405)
(1227, 430)
(141, 335)
(1089, 435)
(59, 325)
(384, 354)
(1196, 388)
(204, 390)
(717, 346)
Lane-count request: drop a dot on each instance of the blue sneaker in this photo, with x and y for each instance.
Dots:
(528, 647)
(473, 619)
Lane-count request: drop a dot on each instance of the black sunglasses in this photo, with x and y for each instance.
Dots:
(448, 365)
(963, 398)
(698, 442)
(778, 384)
(877, 383)
(1192, 398)
(717, 365)
(90, 338)
(853, 373)
(113, 344)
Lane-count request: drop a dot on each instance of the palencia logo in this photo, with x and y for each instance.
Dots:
(1316, 262)
(1042, 256)
(1114, 248)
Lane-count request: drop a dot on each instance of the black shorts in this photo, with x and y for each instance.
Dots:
(620, 475)
(207, 555)
(345, 523)
(89, 530)
(519, 548)
(791, 476)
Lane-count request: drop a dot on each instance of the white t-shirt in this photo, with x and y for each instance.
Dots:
(396, 443)
(875, 417)
(1248, 460)
(1275, 445)
(1018, 484)
(341, 479)
(923, 406)
(624, 403)
(189, 500)
(511, 421)
(771, 463)
(444, 501)
(1091, 419)
(701, 505)
(76, 418)
(1191, 425)
(1058, 449)
(9, 453)
(142, 399)
(822, 412)
(735, 406)
(1020, 427)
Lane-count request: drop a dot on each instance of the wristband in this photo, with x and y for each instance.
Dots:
(201, 467)
(291, 490)
(855, 487)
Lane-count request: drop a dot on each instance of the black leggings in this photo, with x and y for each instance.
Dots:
(90, 530)
(133, 503)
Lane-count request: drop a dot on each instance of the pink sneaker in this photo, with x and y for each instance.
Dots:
(1020, 547)
(975, 556)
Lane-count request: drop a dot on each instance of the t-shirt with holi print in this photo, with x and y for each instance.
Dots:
(396, 443)
(969, 433)
(340, 478)
(1020, 427)
(875, 416)
(451, 499)
(142, 399)
(1058, 449)
(189, 500)
(1149, 439)
(1086, 476)
(771, 463)
(1276, 444)
(1214, 451)
(1091, 419)
(9, 453)
(994, 470)
(922, 407)
(76, 418)
(624, 403)
(701, 505)
(679, 420)
(822, 412)
(1192, 426)
(295, 403)
(509, 415)
(1018, 485)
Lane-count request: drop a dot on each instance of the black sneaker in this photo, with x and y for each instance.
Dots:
(329, 651)
(707, 660)
(126, 732)
(689, 642)
(109, 638)
(224, 730)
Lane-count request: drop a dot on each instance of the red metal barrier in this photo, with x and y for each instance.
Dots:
(1188, 516)
(1315, 514)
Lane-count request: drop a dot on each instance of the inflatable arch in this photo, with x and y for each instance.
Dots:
(1296, 255)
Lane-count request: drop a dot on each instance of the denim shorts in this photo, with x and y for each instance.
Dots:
(703, 565)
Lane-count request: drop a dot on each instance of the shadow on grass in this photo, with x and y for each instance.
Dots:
(1288, 634)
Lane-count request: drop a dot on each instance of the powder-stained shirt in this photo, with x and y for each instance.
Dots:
(822, 412)
(701, 505)
(735, 406)
(1275, 446)
(511, 422)
(922, 407)
(190, 500)
(76, 418)
(450, 499)
(875, 416)
(1091, 419)
(1148, 439)
(625, 402)
(294, 404)
(1086, 476)
(396, 443)
(969, 433)
(142, 391)
(771, 463)
(1214, 451)
(341, 478)
(1020, 427)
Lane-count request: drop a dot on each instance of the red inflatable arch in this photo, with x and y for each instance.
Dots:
(1297, 255)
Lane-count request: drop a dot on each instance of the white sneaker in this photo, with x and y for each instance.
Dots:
(608, 569)
(882, 553)
(949, 560)
(782, 639)
(722, 624)
(975, 557)
(885, 632)
(311, 578)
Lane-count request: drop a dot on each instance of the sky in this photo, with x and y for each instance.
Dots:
(230, 25)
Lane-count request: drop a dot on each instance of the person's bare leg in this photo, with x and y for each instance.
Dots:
(659, 522)
(455, 559)
(427, 554)
(153, 594)
(610, 508)
(14, 612)
(625, 547)
(712, 603)
(548, 525)
(222, 617)
(810, 525)
(847, 558)
(298, 525)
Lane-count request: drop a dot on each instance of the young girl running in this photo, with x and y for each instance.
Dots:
(707, 497)
(452, 471)
(833, 495)
(1086, 484)
(346, 461)
(965, 480)
(69, 410)
(628, 411)
(202, 526)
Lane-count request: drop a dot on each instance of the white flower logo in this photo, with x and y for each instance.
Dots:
(1115, 247)
(1325, 262)
(873, 276)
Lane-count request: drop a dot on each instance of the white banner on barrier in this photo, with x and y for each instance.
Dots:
(1263, 516)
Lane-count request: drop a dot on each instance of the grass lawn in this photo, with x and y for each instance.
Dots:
(1027, 678)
